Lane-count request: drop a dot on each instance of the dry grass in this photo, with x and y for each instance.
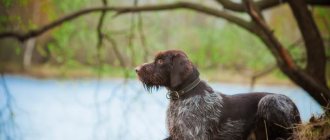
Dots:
(318, 128)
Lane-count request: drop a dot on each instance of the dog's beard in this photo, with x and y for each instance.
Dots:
(152, 83)
(150, 88)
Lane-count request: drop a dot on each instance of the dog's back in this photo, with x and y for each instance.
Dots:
(275, 112)
(240, 111)
(232, 117)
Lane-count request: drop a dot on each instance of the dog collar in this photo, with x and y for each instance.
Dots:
(175, 95)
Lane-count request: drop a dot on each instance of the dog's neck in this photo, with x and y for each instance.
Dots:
(186, 82)
(192, 83)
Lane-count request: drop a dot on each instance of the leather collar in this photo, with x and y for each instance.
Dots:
(175, 95)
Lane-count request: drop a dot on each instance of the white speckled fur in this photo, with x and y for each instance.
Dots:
(278, 108)
(191, 118)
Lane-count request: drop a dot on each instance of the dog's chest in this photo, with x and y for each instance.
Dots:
(194, 118)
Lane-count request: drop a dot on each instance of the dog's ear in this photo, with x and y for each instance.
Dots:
(181, 69)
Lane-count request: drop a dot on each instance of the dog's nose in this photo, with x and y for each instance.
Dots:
(137, 69)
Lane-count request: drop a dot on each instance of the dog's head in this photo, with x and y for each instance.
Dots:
(170, 69)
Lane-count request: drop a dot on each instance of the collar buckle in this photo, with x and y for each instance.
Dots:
(174, 95)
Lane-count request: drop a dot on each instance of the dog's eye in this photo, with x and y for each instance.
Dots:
(159, 61)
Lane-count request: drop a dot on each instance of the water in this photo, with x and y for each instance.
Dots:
(104, 110)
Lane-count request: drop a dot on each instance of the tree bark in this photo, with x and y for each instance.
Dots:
(28, 51)
(265, 4)
(318, 92)
(306, 80)
(315, 50)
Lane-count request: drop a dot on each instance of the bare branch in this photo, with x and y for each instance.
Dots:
(122, 10)
(100, 24)
(281, 55)
(131, 36)
(295, 44)
(285, 62)
(99, 60)
(264, 4)
(239, 7)
(271, 68)
(142, 37)
(116, 51)
(261, 74)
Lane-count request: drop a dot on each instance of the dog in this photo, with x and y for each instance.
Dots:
(197, 112)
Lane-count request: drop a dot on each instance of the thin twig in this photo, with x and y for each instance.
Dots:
(261, 74)
(282, 56)
(271, 68)
(116, 51)
(99, 63)
(132, 36)
(142, 37)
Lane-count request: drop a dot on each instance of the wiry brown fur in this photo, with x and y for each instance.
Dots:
(202, 114)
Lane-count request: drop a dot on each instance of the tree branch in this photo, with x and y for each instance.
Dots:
(131, 36)
(316, 89)
(264, 4)
(116, 50)
(100, 42)
(281, 55)
(271, 68)
(239, 7)
(99, 26)
(122, 10)
(261, 74)
(142, 37)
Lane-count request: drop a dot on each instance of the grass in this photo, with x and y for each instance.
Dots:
(318, 128)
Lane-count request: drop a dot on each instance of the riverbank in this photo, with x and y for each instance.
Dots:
(106, 72)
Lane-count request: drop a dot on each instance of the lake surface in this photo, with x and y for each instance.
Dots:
(101, 110)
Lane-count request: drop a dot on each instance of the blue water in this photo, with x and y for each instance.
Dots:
(103, 110)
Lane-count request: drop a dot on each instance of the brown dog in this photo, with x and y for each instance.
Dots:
(196, 112)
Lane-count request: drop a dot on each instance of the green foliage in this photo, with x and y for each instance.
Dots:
(18, 50)
(3, 21)
(228, 47)
(23, 2)
(7, 3)
(60, 49)
(210, 42)
(71, 5)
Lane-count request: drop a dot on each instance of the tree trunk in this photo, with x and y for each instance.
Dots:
(29, 47)
(315, 50)
(312, 79)
(308, 82)
(305, 80)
